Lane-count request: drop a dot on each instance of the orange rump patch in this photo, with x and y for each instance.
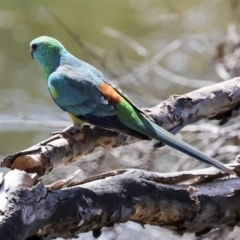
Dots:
(110, 94)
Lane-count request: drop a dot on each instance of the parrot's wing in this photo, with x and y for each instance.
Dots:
(100, 77)
(125, 96)
(77, 92)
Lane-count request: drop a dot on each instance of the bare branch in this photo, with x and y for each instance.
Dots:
(195, 201)
(219, 101)
(227, 63)
(133, 44)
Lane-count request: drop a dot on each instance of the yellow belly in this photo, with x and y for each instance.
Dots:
(76, 121)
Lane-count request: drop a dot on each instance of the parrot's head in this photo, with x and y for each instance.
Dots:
(46, 49)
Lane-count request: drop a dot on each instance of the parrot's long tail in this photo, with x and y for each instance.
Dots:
(160, 134)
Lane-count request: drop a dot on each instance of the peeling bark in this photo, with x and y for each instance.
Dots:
(220, 101)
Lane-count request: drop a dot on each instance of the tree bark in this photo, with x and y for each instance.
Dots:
(195, 201)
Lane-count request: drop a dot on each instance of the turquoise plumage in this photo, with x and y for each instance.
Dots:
(87, 95)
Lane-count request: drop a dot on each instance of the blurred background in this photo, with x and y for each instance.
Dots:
(150, 49)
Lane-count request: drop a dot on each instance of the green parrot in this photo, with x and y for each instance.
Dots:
(88, 96)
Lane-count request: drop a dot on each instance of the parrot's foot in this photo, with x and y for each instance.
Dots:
(71, 131)
(158, 145)
(66, 132)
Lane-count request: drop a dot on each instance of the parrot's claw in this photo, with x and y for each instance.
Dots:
(66, 132)
(158, 145)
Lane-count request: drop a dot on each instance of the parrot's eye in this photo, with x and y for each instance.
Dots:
(34, 46)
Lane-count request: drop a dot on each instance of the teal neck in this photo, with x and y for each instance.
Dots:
(47, 70)
(50, 66)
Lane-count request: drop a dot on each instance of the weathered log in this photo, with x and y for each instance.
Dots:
(195, 201)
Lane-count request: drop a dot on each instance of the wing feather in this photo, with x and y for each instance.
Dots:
(78, 93)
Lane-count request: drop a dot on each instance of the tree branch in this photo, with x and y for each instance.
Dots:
(219, 101)
(195, 201)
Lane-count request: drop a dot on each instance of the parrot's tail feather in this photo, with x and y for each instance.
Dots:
(164, 136)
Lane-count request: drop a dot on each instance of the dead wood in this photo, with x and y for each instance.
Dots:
(195, 201)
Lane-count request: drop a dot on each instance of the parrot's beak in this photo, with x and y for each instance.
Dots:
(32, 54)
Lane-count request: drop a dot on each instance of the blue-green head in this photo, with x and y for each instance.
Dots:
(47, 51)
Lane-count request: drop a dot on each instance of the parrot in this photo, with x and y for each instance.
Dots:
(87, 95)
